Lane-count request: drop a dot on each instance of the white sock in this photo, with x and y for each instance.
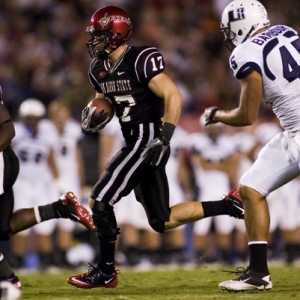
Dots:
(257, 242)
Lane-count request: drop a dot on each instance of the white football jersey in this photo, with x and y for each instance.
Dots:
(275, 54)
(33, 152)
(113, 128)
(66, 155)
(201, 144)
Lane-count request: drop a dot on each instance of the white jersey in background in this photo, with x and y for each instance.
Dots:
(32, 152)
(66, 157)
(212, 183)
(177, 145)
(35, 184)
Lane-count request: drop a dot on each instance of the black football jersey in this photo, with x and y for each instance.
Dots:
(126, 85)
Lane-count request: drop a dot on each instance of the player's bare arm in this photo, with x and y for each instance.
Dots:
(163, 87)
(166, 89)
(247, 111)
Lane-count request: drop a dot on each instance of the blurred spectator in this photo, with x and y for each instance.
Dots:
(70, 168)
(33, 144)
(215, 164)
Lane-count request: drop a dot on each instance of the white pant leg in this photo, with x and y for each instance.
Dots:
(271, 169)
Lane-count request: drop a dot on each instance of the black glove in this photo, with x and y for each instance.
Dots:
(154, 151)
(92, 123)
(209, 113)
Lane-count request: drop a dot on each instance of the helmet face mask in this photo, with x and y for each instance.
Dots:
(229, 36)
(109, 28)
(241, 19)
(98, 44)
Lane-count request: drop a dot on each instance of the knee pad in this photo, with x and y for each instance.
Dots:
(105, 222)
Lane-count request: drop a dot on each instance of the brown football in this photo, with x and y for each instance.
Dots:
(102, 103)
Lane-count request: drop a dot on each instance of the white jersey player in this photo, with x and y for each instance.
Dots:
(266, 61)
(69, 161)
(212, 157)
(33, 144)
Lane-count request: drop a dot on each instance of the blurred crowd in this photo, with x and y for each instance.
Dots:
(43, 56)
(42, 47)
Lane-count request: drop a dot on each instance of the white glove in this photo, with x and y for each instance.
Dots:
(208, 115)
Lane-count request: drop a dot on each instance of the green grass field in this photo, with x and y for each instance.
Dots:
(199, 283)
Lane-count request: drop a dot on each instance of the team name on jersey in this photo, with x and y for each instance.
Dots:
(115, 86)
(267, 35)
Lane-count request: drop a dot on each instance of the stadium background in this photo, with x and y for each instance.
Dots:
(43, 54)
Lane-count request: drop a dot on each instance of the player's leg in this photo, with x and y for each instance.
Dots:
(189, 211)
(66, 207)
(112, 186)
(104, 273)
(270, 171)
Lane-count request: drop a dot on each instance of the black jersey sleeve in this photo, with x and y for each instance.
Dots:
(149, 63)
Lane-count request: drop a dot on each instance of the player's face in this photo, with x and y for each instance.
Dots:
(99, 41)
(31, 123)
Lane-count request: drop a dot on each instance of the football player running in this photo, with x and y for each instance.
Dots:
(266, 61)
(133, 79)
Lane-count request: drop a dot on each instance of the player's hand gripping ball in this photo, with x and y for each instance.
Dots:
(96, 115)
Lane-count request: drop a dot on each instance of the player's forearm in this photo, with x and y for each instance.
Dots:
(173, 106)
(234, 117)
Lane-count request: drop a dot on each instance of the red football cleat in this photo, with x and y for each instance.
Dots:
(94, 278)
(236, 202)
(77, 212)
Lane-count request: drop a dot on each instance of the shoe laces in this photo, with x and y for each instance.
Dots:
(240, 271)
(90, 268)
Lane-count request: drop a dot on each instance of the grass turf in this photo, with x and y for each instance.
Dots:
(199, 283)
